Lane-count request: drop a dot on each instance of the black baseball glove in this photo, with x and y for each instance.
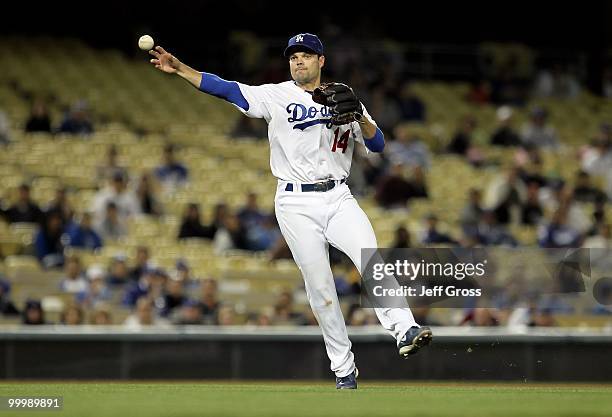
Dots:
(342, 102)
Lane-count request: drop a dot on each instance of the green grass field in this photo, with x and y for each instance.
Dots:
(292, 399)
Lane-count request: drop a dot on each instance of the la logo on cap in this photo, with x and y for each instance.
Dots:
(299, 38)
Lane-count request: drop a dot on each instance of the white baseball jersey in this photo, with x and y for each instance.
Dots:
(302, 148)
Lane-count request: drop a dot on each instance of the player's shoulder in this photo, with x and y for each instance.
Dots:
(279, 91)
(282, 86)
(275, 86)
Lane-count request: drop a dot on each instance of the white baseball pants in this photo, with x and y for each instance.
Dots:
(310, 221)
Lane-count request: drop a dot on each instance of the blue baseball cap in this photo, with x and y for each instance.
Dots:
(306, 41)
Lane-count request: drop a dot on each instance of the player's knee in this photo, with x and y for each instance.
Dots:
(321, 296)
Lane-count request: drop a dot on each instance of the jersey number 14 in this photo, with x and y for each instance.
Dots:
(341, 143)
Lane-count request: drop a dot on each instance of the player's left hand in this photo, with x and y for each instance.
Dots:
(342, 102)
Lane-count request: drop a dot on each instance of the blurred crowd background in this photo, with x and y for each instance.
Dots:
(129, 198)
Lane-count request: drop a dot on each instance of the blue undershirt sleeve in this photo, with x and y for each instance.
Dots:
(227, 90)
(376, 143)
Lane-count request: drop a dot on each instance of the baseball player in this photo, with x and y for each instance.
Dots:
(313, 130)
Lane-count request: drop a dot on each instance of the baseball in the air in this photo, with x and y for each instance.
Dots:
(145, 43)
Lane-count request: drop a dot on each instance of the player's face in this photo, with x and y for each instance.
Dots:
(305, 66)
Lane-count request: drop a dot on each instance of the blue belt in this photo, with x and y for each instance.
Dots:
(317, 186)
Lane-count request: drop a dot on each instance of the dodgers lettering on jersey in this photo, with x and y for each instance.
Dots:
(300, 113)
(302, 147)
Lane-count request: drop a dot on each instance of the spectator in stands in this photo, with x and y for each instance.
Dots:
(24, 209)
(39, 120)
(402, 238)
(491, 233)
(77, 120)
(72, 315)
(96, 291)
(5, 137)
(151, 284)
(173, 297)
(506, 194)
(407, 148)
(410, 105)
(537, 132)
(107, 172)
(584, 191)
(597, 158)
(112, 226)
(562, 196)
(394, 190)
(171, 173)
(143, 256)
(7, 307)
(192, 225)
(73, 282)
(462, 140)
(262, 318)
(558, 233)
(226, 315)
(190, 313)
(504, 134)
(61, 205)
(261, 229)
(33, 313)
(264, 236)
(118, 270)
(82, 235)
(209, 301)
(252, 220)
(146, 194)
(284, 310)
(472, 212)
(125, 200)
(432, 235)
(184, 274)
(231, 235)
(48, 242)
(602, 240)
(531, 210)
(250, 215)
(220, 212)
(143, 316)
(342, 279)
(101, 316)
